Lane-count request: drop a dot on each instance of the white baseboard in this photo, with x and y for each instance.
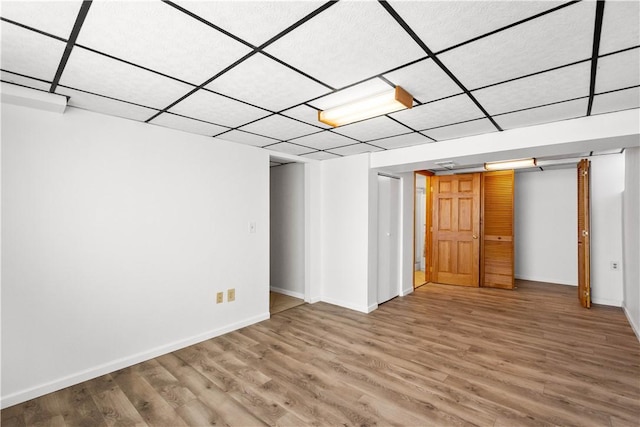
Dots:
(606, 301)
(634, 325)
(544, 280)
(287, 292)
(314, 300)
(339, 303)
(88, 374)
(406, 292)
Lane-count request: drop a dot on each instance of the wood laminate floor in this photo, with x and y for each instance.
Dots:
(281, 302)
(442, 356)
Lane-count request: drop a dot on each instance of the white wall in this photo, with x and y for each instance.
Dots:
(607, 185)
(345, 237)
(406, 263)
(631, 237)
(545, 222)
(116, 236)
(287, 216)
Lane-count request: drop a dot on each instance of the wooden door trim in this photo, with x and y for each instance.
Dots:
(427, 212)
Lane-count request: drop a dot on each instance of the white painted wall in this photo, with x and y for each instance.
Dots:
(345, 231)
(407, 224)
(545, 222)
(631, 237)
(607, 185)
(313, 231)
(287, 216)
(116, 236)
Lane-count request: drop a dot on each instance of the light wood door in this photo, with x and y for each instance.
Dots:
(497, 266)
(456, 227)
(584, 235)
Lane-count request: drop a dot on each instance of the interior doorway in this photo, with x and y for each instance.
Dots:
(420, 227)
(389, 237)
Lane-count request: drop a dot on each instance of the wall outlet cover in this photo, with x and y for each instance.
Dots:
(219, 297)
(231, 295)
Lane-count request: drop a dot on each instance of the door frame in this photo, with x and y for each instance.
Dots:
(428, 224)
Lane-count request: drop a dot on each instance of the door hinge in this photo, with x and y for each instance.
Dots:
(585, 172)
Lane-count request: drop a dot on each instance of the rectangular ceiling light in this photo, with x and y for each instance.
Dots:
(383, 103)
(510, 164)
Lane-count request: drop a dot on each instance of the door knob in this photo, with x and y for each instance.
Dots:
(475, 236)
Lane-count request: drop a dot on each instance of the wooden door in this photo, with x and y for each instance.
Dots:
(497, 264)
(584, 235)
(456, 227)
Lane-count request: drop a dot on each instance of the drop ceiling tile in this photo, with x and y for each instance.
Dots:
(376, 128)
(460, 130)
(24, 81)
(188, 125)
(159, 37)
(218, 109)
(305, 114)
(280, 127)
(337, 45)
(119, 80)
(247, 138)
(442, 24)
(286, 147)
(353, 93)
(606, 152)
(402, 141)
(262, 81)
(351, 150)
(53, 17)
(100, 104)
(618, 71)
(29, 53)
(553, 86)
(616, 101)
(324, 140)
(253, 21)
(321, 155)
(546, 114)
(456, 109)
(555, 39)
(620, 26)
(424, 80)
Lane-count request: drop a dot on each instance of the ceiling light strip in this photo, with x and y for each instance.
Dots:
(510, 164)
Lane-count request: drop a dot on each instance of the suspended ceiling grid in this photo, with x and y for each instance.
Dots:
(257, 72)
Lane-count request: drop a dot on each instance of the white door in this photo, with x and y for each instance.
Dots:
(388, 238)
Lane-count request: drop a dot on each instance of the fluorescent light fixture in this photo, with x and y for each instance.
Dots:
(510, 164)
(383, 103)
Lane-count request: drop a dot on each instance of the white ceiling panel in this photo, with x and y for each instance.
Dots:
(620, 26)
(188, 125)
(553, 86)
(425, 81)
(456, 109)
(280, 127)
(262, 81)
(24, 81)
(555, 39)
(53, 17)
(286, 147)
(119, 80)
(336, 46)
(247, 138)
(402, 141)
(618, 71)
(253, 21)
(616, 101)
(306, 114)
(218, 109)
(320, 155)
(379, 127)
(460, 130)
(351, 150)
(100, 104)
(546, 114)
(606, 152)
(354, 93)
(442, 24)
(324, 140)
(159, 37)
(30, 53)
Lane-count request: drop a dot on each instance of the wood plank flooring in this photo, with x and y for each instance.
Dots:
(281, 302)
(442, 356)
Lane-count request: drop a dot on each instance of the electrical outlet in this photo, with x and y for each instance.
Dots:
(219, 297)
(615, 265)
(231, 295)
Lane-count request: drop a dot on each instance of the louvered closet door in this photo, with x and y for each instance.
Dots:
(497, 237)
(584, 238)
